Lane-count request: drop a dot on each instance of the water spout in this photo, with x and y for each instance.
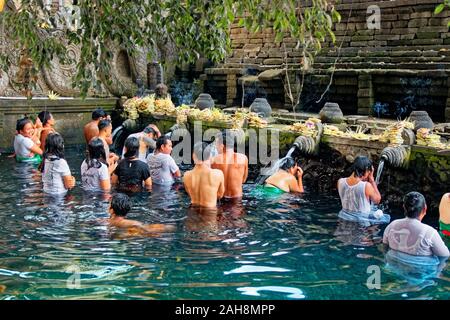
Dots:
(309, 145)
(397, 157)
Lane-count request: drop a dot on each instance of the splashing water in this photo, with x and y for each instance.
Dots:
(213, 148)
(379, 171)
(276, 166)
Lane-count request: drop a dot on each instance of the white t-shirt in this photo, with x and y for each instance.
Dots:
(52, 177)
(91, 177)
(162, 167)
(415, 238)
(22, 146)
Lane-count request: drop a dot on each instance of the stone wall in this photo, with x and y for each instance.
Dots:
(402, 66)
(70, 114)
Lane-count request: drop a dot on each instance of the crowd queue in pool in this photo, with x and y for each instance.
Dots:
(146, 161)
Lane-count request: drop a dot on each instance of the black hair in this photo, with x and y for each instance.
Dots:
(121, 204)
(226, 138)
(132, 145)
(361, 165)
(96, 153)
(54, 146)
(98, 113)
(44, 116)
(21, 123)
(288, 163)
(161, 142)
(413, 203)
(202, 151)
(149, 129)
(103, 124)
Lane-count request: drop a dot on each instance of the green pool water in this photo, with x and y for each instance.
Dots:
(266, 248)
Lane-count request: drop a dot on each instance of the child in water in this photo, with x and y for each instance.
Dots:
(120, 206)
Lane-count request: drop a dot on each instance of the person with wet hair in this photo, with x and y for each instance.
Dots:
(359, 189)
(444, 216)
(105, 134)
(203, 184)
(233, 165)
(91, 129)
(26, 146)
(95, 174)
(120, 206)
(131, 173)
(288, 178)
(48, 122)
(147, 141)
(409, 235)
(56, 175)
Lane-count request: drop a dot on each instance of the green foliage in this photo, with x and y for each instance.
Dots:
(194, 27)
(439, 8)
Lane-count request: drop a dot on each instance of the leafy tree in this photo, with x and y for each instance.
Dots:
(194, 27)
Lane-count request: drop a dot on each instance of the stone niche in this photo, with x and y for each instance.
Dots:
(70, 114)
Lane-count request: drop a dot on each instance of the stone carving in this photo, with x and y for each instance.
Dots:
(59, 76)
(124, 70)
(4, 80)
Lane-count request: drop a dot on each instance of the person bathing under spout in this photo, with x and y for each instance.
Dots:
(357, 191)
(233, 165)
(288, 178)
(203, 184)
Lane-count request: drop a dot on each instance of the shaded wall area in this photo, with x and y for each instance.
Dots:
(401, 67)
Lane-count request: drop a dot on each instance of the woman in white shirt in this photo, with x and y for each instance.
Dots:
(25, 149)
(56, 175)
(95, 175)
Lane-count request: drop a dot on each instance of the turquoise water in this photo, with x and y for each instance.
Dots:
(269, 248)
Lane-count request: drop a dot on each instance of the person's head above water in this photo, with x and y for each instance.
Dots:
(96, 151)
(362, 166)
(201, 152)
(46, 118)
(24, 127)
(104, 125)
(54, 146)
(131, 147)
(99, 114)
(150, 131)
(164, 145)
(415, 205)
(120, 205)
(289, 165)
(225, 139)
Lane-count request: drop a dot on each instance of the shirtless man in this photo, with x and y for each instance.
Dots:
(105, 134)
(91, 129)
(119, 208)
(233, 165)
(444, 216)
(203, 184)
(288, 178)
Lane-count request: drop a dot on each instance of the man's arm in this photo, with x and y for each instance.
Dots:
(245, 170)
(221, 190)
(114, 179)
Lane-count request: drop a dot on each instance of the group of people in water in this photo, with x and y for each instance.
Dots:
(146, 161)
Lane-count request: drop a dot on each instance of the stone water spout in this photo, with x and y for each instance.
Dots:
(309, 145)
(397, 157)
